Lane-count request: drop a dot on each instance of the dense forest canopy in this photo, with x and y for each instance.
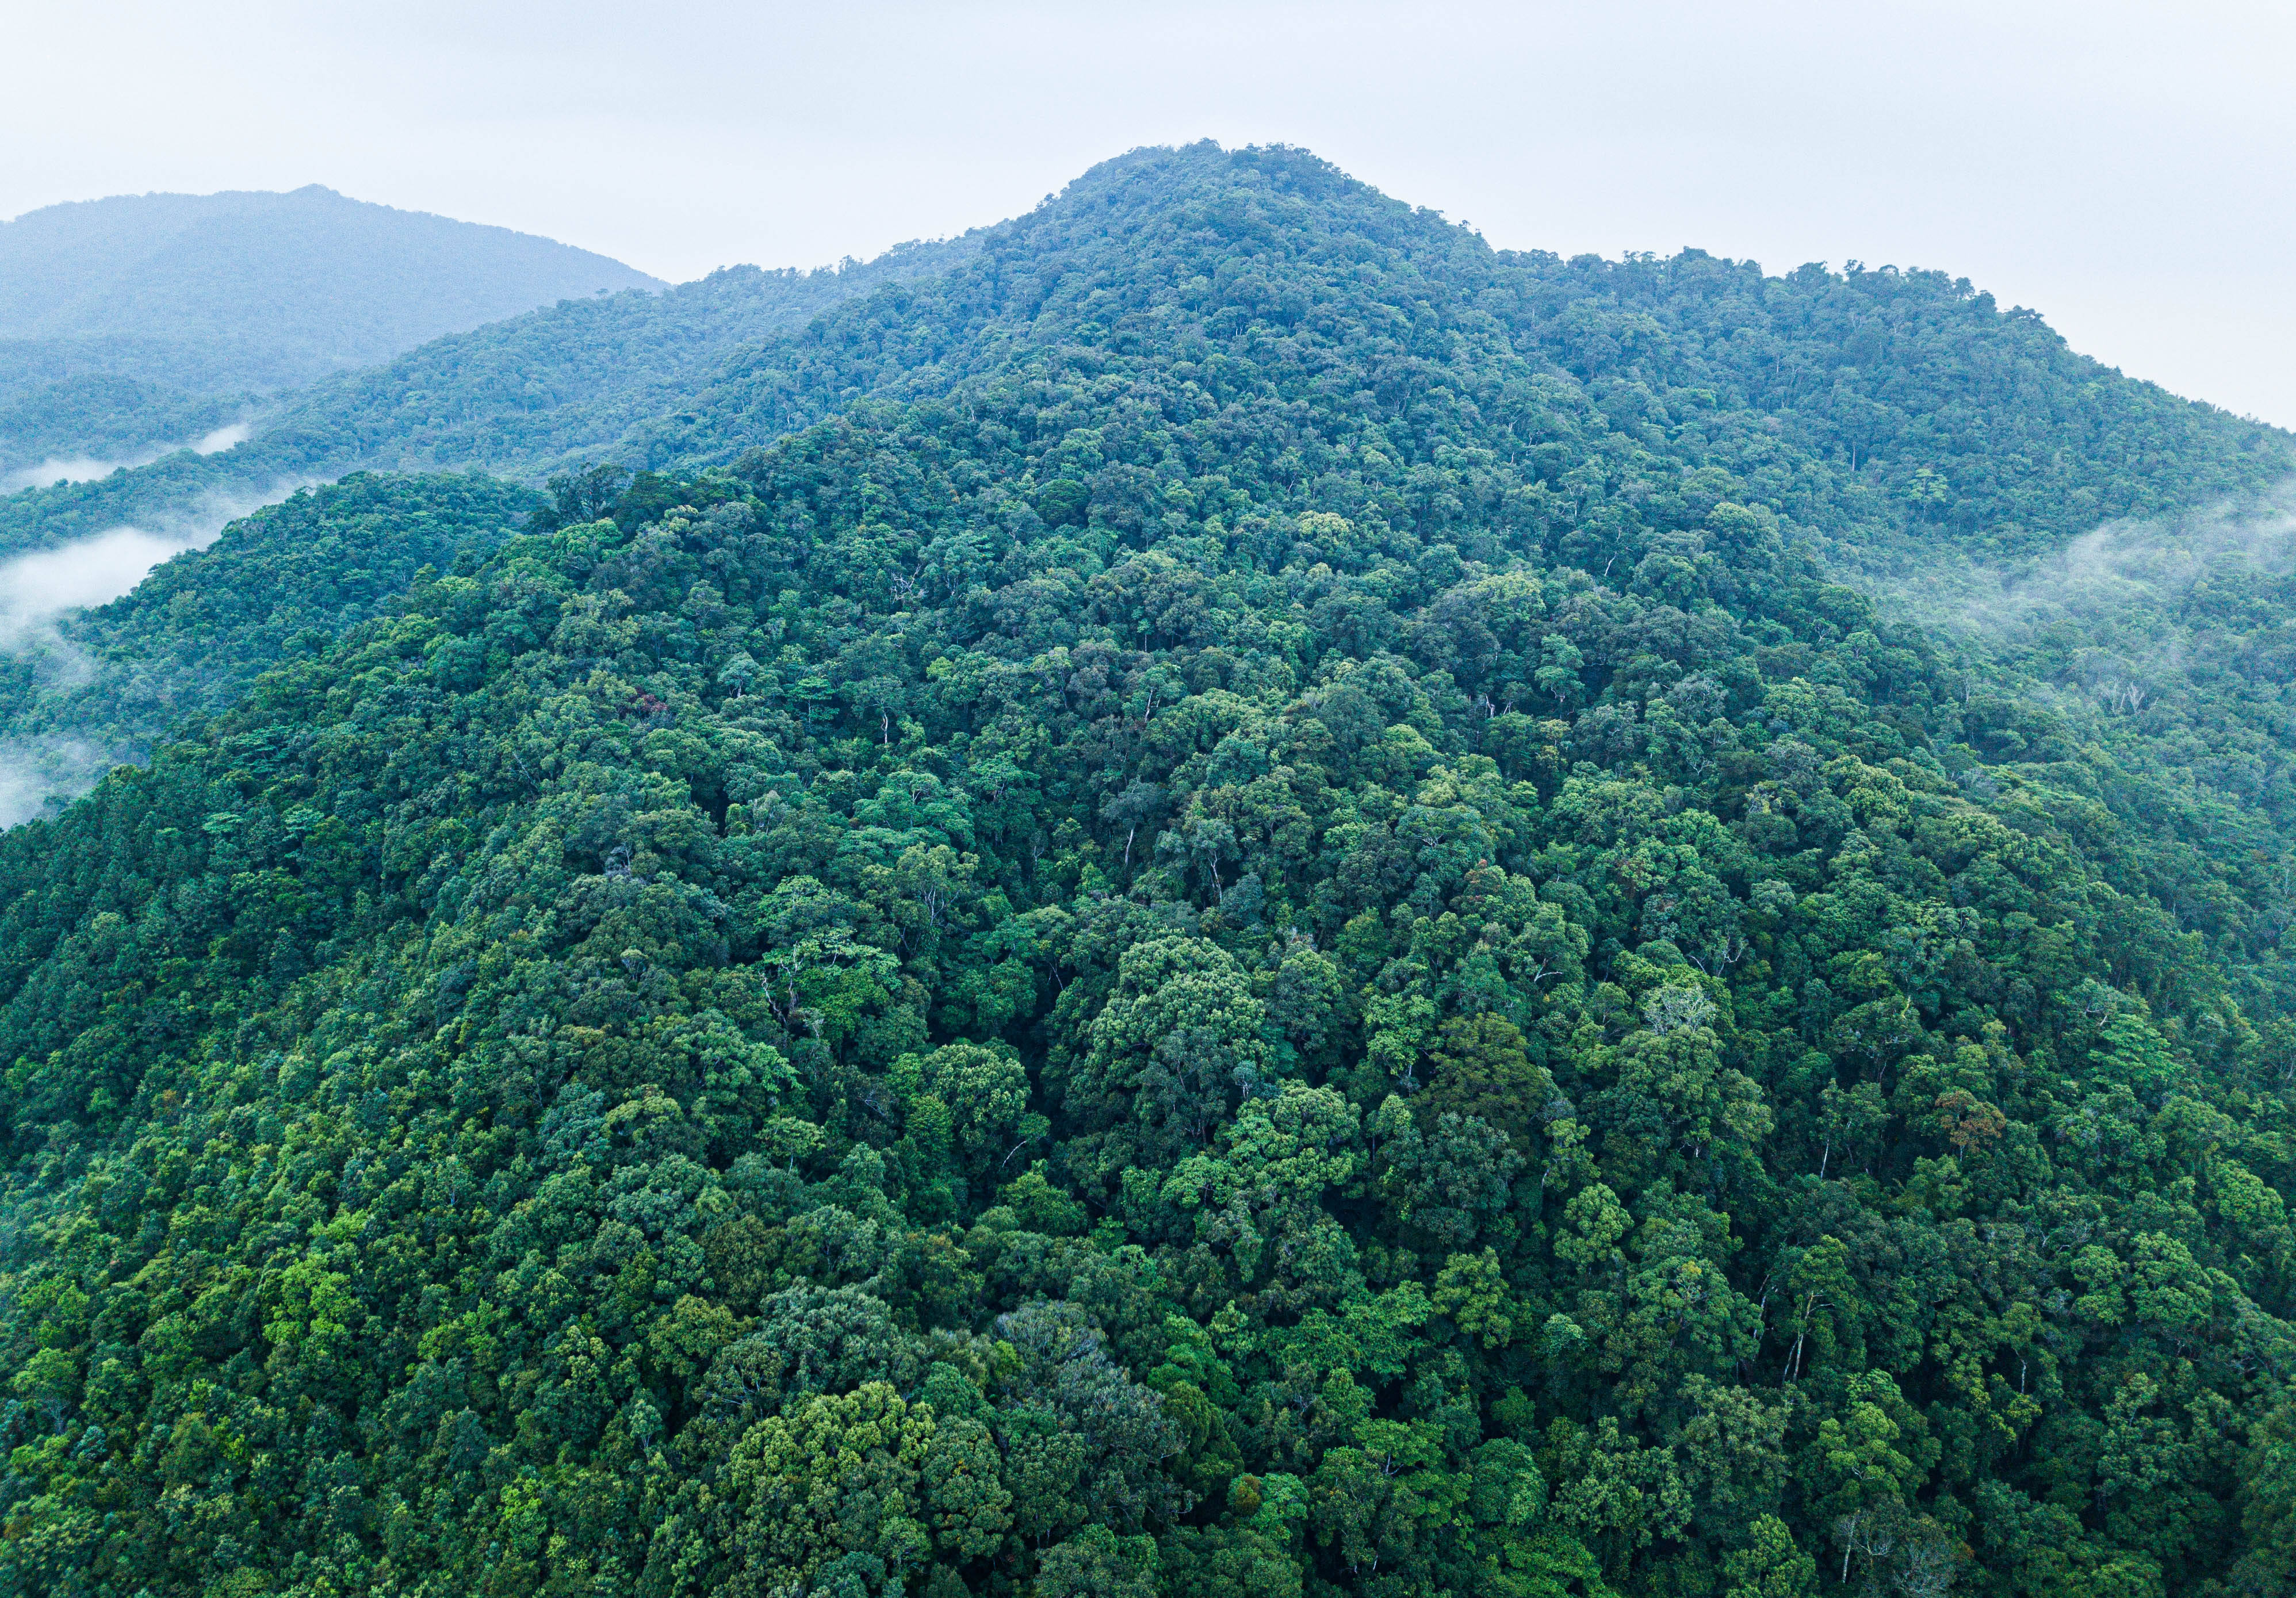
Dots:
(1225, 902)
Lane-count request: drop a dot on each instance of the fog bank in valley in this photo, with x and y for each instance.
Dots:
(39, 589)
(85, 469)
(36, 588)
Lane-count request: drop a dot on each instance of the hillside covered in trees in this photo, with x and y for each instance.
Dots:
(1227, 901)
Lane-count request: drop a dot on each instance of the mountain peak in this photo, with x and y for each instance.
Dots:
(257, 289)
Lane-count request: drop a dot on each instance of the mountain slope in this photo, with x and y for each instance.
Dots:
(262, 290)
(1232, 933)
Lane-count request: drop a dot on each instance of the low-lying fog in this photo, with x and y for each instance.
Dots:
(35, 590)
(33, 769)
(83, 469)
(38, 588)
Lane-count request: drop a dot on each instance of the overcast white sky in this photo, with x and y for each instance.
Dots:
(2125, 169)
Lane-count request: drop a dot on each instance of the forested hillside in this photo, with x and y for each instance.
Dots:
(102, 418)
(519, 397)
(1222, 904)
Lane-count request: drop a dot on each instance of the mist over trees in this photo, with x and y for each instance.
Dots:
(524, 397)
(1225, 900)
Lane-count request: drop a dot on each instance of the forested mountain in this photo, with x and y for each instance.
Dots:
(240, 290)
(1225, 902)
(517, 397)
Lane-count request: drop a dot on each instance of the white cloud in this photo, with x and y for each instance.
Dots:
(36, 588)
(67, 469)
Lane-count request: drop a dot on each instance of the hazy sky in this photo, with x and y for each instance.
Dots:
(2124, 168)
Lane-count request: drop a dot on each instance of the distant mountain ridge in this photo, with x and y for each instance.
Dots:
(255, 290)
